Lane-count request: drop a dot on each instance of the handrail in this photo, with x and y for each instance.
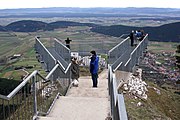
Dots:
(58, 63)
(65, 69)
(8, 97)
(118, 44)
(45, 48)
(117, 67)
(118, 108)
(52, 71)
(61, 43)
(135, 50)
(139, 44)
(32, 89)
(30, 77)
(22, 84)
(55, 67)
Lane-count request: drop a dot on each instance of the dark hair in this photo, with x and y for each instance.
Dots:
(93, 52)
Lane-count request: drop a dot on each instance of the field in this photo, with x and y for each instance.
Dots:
(160, 47)
(22, 43)
(83, 39)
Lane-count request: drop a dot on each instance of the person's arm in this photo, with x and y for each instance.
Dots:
(92, 64)
(73, 69)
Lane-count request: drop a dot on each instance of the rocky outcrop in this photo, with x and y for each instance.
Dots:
(135, 85)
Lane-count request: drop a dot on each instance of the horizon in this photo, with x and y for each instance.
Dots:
(18, 4)
(86, 8)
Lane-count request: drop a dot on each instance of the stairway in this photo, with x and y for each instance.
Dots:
(83, 102)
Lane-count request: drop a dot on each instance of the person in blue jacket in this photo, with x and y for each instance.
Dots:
(94, 67)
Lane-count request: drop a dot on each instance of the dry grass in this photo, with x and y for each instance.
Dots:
(164, 106)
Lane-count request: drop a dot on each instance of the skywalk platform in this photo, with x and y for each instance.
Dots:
(83, 102)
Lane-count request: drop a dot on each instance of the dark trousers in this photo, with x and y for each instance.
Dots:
(132, 42)
(68, 46)
(94, 79)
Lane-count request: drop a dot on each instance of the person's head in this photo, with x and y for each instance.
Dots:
(74, 59)
(93, 52)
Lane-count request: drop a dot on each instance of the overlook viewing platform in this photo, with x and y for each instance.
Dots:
(54, 98)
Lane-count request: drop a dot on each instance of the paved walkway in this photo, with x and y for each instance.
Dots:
(83, 102)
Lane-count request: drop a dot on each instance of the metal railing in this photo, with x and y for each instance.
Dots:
(117, 51)
(36, 94)
(62, 50)
(136, 54)
(118, 109)
(57, 54)
(100, 45)
(122, 57)
(28, 99)
(44, 55)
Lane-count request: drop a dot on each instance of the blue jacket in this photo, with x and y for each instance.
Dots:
(94, 67)
(138, 34)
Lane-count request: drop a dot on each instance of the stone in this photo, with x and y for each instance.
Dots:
(139, 104)
(136, 86)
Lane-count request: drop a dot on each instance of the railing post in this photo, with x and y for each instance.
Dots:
(34, 95)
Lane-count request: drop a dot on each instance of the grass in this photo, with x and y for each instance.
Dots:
(167, 102)
(162, 107)
(18, 43)
(159, 47)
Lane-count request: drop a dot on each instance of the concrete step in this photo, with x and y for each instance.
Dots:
(83, 102)
(79, 108)
(85, 89)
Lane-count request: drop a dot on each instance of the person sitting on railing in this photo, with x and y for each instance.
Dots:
(74, 71)
(94, 67)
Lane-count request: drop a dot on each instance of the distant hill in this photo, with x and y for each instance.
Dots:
(33, 26)
(165, 33)
(26, 26)
(2, 28)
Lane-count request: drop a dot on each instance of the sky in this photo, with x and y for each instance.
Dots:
(8, 4)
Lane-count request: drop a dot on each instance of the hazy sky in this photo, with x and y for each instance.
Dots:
(88, 3)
